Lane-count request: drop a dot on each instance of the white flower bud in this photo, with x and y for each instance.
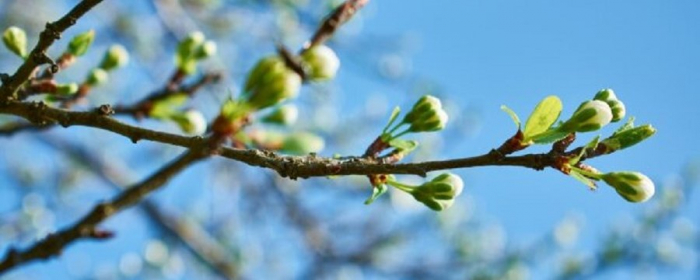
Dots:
(302, 143)
(322, 62)
(616, 106)
(426, 115)
(191, 122)
(590, 116)
(439, 193)
(97, 77)
(632, 186)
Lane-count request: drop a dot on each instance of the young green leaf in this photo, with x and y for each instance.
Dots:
(543, 117)
(377, 191)
(583, 179)
(512, 115)
(392, 119)
(406, 145)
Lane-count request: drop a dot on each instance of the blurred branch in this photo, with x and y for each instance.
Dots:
(190, 234)
(12, 128)
(46, 39)
(87, 227)
(342, 14)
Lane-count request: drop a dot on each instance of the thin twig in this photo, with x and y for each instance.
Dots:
(86, 228)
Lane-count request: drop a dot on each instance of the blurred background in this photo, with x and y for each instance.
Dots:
(224, 219)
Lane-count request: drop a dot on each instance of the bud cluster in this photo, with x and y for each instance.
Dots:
(270, 82)
(437, 194)
(193, 49)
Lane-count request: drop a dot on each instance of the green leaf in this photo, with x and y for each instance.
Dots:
(165, 108)
(377, 191)
(591, 145)
(628, 125)
(543, 117)
(406, 145)
(392, 119)
(512, 115)
(583, 179)
(549, 136)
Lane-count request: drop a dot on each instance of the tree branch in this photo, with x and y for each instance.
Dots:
(87, 227)
(38, 55)
(287, 166)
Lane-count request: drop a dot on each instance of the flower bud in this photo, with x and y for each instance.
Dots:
(605, 95)
(187, 50)
(67, 89)
(628, 138)
(439, 193)
(302, 143)
(616, 106)
(191, 122)
(206, 50)
(322, 63)
(632, 186)
(618, 110)
(97, 77)
(426, 115)
(284, 115)
(590, 116)
(116, 57)
(270, 82)
(15, 40)
(79, 45)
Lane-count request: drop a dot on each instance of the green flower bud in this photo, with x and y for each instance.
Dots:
(187, 50)
(302, 143)
(322, 63)
(97, 77)
(116, 57)
(616, 106)
(191, 122)
(284, 115)
(439, 193)
(632, 186)
(628, 138)
(426, 115)
(618, 110)
(79, 45)
(67, 89)
(605, 95)
(590, 116)
(15, 40)
(206, 50)
(271, 82)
